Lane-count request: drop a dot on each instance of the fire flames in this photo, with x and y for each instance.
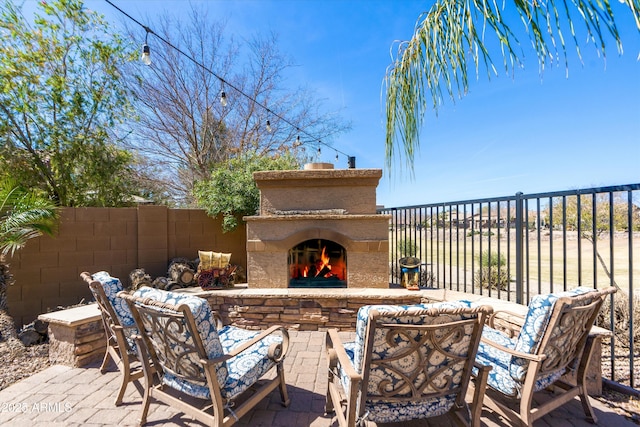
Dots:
(322, 268)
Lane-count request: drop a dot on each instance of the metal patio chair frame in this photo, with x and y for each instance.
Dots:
(119, 339)
(172, 338)
(562, 346)
(448, 333)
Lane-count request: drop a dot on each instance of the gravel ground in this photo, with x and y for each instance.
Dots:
(18, 362)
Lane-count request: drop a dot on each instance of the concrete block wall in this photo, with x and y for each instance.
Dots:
(118, 240)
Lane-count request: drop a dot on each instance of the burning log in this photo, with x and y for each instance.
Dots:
(325, 270)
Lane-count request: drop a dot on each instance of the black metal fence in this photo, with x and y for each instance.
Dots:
(515, 247)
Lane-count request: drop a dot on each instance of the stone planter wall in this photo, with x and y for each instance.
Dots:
(76, 336)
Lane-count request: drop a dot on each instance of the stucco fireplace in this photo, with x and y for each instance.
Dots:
(318, 228)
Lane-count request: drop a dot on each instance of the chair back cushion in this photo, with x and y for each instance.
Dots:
(535, 325)
(111, 287)
(206, 326)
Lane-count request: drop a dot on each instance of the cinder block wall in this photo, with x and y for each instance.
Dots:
(47, 271)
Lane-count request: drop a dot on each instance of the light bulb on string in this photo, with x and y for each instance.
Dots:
(337, 157)
(146, 55)
(297, 143)
(146, 52)
(223, 99)
(269, 126)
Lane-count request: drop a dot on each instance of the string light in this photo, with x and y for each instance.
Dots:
(146, 52)
(146, 58)
(269, 126)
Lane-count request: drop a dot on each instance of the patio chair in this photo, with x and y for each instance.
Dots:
(407, 362)
(551, 342)
(195, 360)
(119, 327)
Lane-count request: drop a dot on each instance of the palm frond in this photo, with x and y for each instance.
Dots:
(23, 216)
(452, 37)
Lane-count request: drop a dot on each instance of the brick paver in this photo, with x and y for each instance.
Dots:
(64, 396)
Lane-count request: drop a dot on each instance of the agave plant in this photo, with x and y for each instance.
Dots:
(24, 215)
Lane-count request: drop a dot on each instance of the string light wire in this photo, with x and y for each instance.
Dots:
(225, 82)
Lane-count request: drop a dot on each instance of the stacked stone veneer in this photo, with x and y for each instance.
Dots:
(332, 204)
(76, 336)
(302, 309)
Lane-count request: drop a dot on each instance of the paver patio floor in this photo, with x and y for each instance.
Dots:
(65, 396)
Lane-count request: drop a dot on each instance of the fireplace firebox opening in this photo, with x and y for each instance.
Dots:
(318, 263)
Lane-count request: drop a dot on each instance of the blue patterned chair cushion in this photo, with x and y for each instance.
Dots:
(236, 374)
(500, 377)
(508, 372)
(247, 367)
(111, 287)
(534, 326)
(383, 411)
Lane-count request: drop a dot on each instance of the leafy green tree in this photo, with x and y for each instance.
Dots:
(24, 214)
(454, 36)
(61, 96)
(231, 190)
(582, 217)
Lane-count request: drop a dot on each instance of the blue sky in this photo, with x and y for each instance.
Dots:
(514, 133)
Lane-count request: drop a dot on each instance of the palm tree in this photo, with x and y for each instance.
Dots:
(452, 36)
(24, 215)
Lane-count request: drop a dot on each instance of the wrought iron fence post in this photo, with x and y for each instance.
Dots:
(519, 244)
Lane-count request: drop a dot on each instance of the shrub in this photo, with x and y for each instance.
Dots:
(407, 247)
(621, 318)
(492, 277)
(493, 273)
(491, 259)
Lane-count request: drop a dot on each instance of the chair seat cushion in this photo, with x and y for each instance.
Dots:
(500, 377)
(243, 370)
(236, 374)
(387, 412)
(206, 326)
(247, 367)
